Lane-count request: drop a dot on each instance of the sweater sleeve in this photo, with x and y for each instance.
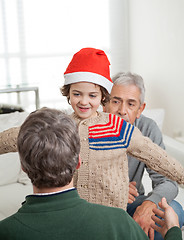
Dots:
(173, 233)
(155, 157)
(162, 186)
(8, 140)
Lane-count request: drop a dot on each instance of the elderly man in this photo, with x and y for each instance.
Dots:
(127, 101)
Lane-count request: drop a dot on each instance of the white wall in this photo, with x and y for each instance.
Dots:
(119, 35)
(156, 34)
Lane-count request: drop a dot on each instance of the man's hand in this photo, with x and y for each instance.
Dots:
(143, 215)
(132, 192)
(170, 218)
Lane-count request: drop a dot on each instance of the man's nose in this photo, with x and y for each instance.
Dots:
(122, 110)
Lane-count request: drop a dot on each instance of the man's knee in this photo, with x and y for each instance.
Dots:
(179, 211)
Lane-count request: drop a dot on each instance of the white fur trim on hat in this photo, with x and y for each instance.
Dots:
(88, 77)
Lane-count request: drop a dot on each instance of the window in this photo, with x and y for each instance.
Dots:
(39, 38)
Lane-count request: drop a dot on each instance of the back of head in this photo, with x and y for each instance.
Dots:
(48, 145)
(128, 78)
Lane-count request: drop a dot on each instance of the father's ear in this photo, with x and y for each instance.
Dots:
(141, 109)
(79, 163)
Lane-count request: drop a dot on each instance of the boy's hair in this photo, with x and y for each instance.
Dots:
(48, 145)
(65, 90)
(129, 78)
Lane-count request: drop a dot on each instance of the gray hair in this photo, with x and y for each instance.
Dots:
(128, 78)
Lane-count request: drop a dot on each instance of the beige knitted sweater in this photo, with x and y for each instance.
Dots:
(105, 142)
(103, 175)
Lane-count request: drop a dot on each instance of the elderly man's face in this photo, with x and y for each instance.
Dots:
(125, 102)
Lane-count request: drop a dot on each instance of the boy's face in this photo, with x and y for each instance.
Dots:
(85, 98)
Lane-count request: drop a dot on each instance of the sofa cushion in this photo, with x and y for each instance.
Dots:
(12, 196)
(10, 169)
(14, 119)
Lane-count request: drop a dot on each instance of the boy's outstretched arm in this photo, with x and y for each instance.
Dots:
(155, 157)
(8, 140)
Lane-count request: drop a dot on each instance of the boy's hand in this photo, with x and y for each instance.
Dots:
(132, 192)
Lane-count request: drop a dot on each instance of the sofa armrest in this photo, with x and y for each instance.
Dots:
(174, 148)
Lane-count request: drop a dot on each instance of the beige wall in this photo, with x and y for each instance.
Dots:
(156, 46)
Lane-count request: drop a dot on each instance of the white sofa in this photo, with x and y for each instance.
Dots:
(15, 185)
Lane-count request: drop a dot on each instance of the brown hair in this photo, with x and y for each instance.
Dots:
(48, 145)
(65, 90)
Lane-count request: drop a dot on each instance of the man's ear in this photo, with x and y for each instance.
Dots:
(104, 109)
(79, 163)
(141, 109)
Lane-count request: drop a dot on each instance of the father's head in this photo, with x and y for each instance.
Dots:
(48, 145)
(127, 96)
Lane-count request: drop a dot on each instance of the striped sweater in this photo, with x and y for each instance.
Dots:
(105, 142)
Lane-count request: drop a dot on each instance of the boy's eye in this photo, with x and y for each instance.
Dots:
(76, 94)
(92, 95)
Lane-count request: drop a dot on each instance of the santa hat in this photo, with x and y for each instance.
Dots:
(89, 65)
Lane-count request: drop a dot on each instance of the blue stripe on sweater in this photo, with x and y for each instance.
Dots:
(108, 143)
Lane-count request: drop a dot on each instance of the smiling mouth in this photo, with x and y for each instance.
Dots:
(82, 109)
